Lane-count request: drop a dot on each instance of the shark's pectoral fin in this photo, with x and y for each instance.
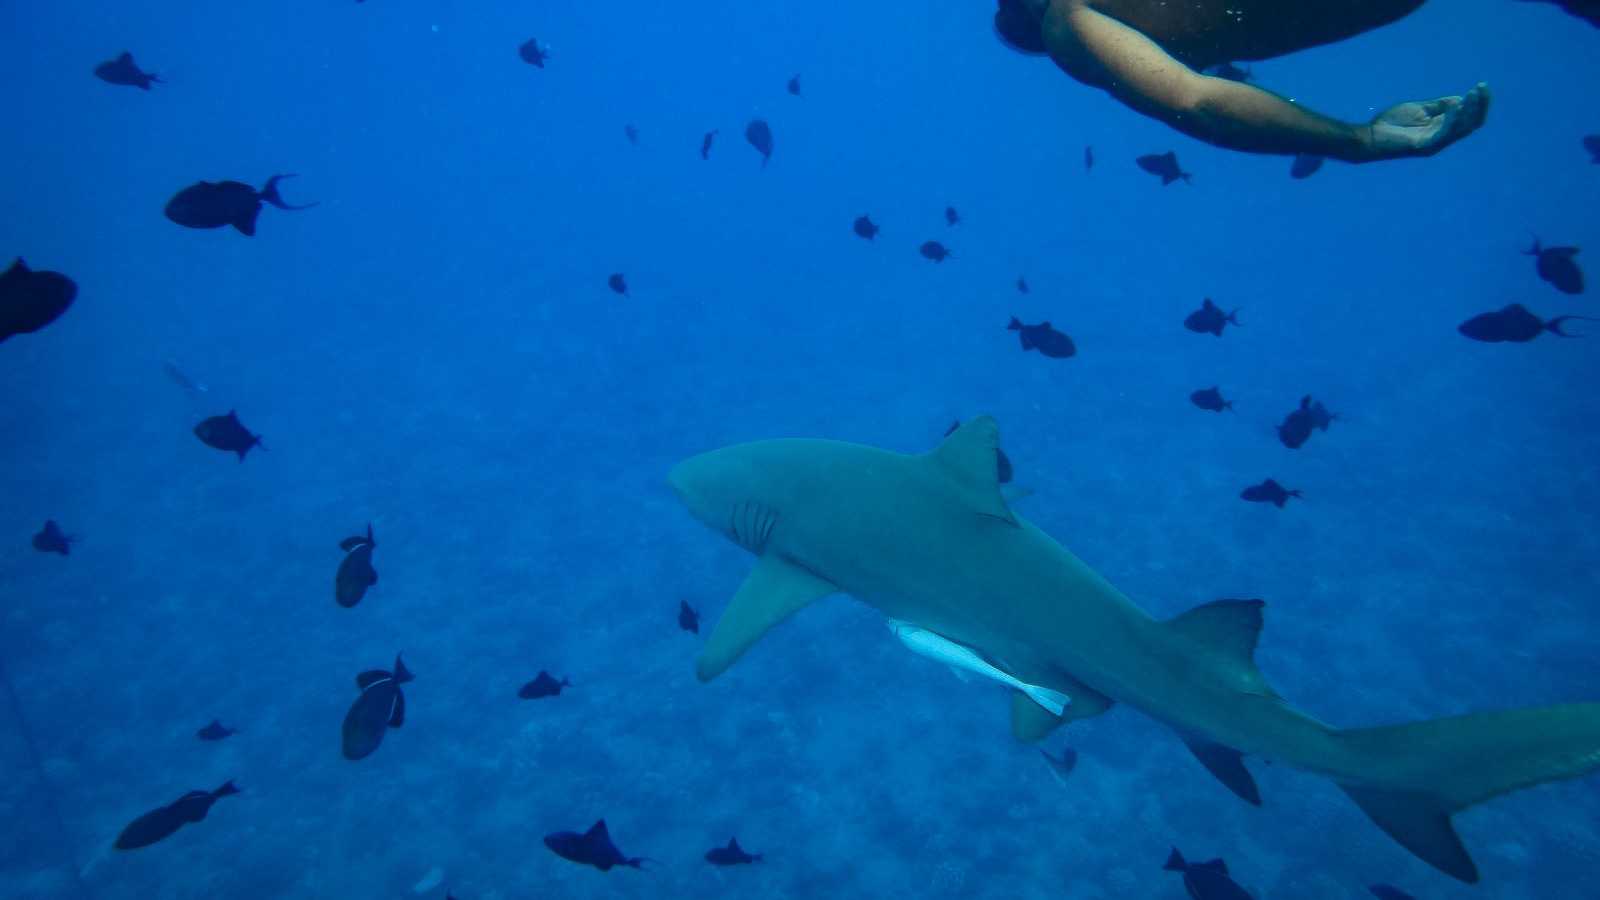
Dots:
(775, 589)
(968, 458)
(1228, 765)
(1231, 629)
(1031, 722)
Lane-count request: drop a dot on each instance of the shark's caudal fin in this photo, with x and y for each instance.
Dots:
(775, 590)
(1426, 772)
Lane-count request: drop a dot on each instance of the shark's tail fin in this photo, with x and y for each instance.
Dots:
(1425, 772)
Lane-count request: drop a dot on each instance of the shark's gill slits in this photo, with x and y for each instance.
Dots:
(750, 525)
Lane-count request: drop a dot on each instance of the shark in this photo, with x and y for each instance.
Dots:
(929, 540)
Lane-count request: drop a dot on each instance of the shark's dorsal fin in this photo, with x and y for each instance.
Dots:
(968, 458)
(775, 589)
(1231, 628)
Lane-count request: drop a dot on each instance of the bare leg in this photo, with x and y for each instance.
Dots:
(1100, 50)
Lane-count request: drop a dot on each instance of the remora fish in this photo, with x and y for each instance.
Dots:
(923, 642)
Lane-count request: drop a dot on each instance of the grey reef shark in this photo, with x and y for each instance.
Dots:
(929, 541)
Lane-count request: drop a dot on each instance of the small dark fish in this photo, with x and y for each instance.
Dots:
(864, 227)
(1210, 399)
(759, 134)
(794, 85)
(592, 848)
(182, 379)
(216, 731)
(31, 300)
(1513, 324)
(1305, 165)
(935, 251)
(1389, 892)
(1061, 766)
(1022, 286)
(380, 707)
(532, 53)
(688, 619)
(160, 823)
(1088, 158)
(50, 539)
(1205, 880)
(214, 204)
(1557, 266)
(1043, 338)
(632, 134)
(1229, 71)
(1591, 143)
(1210, 319)
(951, 217)
(1003, 470)
(356, 573)
(1299, 424)
(618, 283)
(1268, 491)
(1587, 10)
(1164, 165)
(705, 143)
(543, 686)
(227, 433)
(123, 71)
(731, 855)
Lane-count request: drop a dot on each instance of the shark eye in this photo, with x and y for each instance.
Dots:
(750, 525)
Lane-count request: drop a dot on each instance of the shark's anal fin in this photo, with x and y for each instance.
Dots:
(1421, 824)
(1229, 629)
(1031, 722)
(1228, 765)
(968, 459)
(774, 590)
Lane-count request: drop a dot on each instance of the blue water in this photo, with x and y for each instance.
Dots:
(433, 349)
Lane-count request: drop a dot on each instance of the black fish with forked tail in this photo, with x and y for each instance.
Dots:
(1514, 324)
(227, 433)
(380, 707)
(216, 204)
(161, 823)
(125, 72)
(356, 573)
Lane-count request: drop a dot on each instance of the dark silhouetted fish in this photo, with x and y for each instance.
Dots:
(1557, 266)
(532, 53)
(50, 539)
(227, 433)
(759, 134)
(1043, 338)
(1003, 469)
(122, 70)
(731, 855)
(1022, 286)
(592, 848)
(1210, 399)
(1298, 425)
(863, 227)
(1587, 10)
(160, 823)
(356, 573)
(618, 283)
(380, 707)
(1205, 880)
(794, 85)
(1164, 165)
(705, 143)
(31, 300)
(214, 204)
(688, 619)
(181, 378)
(632, 134)
(1389, 892)
(542, 686)
(1591, 143)
(951, 217)
(1088, 158)
(1210, 319)
(216, 731)
(1229, 71)
(1061, 766)
(935, 251)
(1268, 491)
(1305, 165)
(1513, 324)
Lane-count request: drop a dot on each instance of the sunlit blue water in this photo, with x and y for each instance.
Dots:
(434, 350)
